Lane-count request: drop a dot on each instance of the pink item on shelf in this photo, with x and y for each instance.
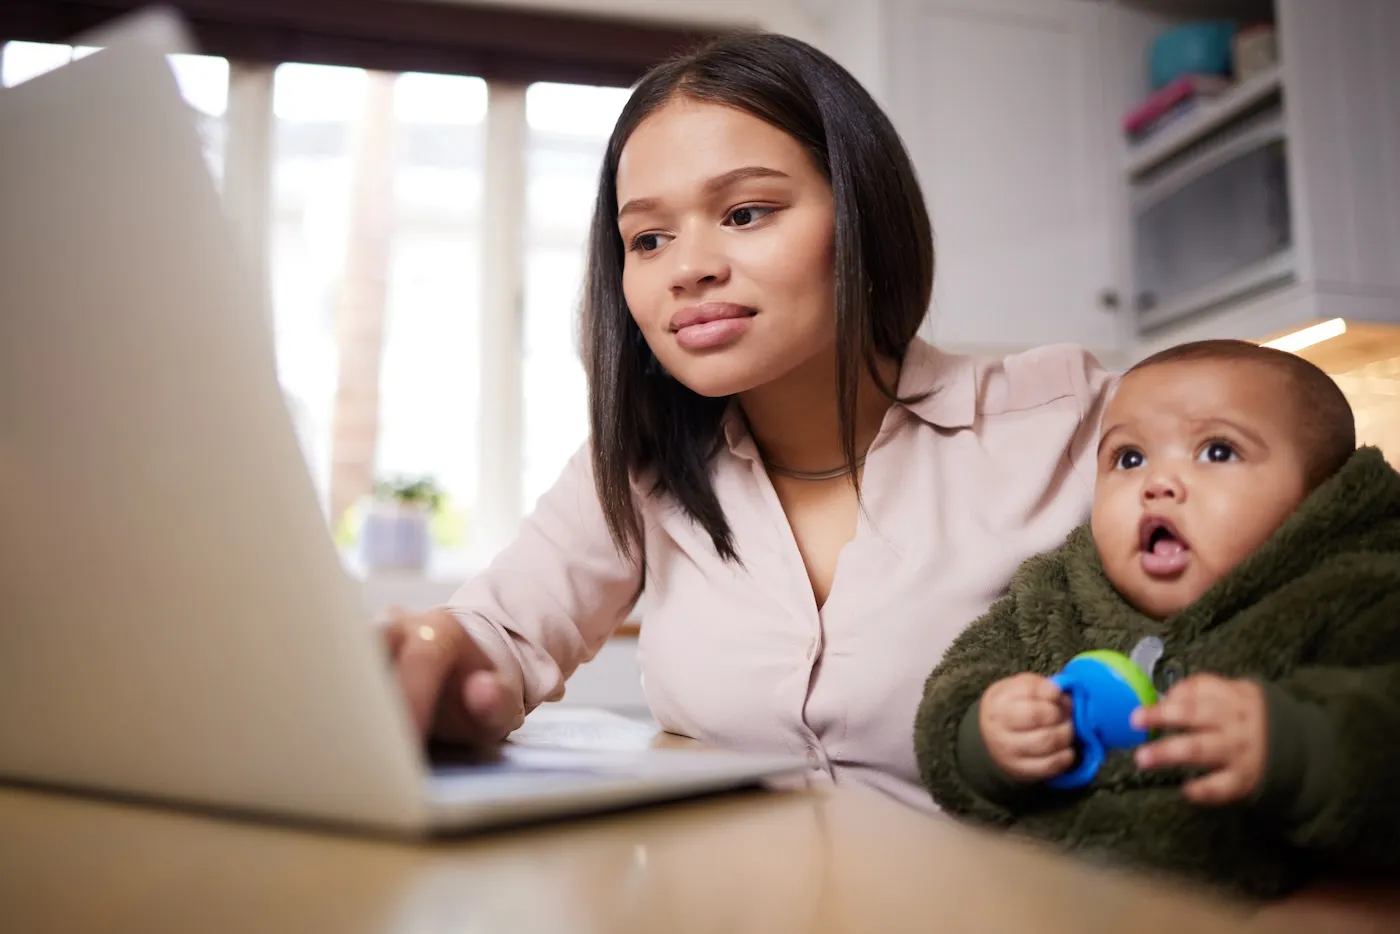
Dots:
(1172, 97)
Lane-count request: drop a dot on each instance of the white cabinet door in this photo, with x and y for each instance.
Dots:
(1002, 105)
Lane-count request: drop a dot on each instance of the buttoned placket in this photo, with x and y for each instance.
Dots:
(742, 445)
(803, 739)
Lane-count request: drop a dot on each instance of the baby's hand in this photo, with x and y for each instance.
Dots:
(1223, 728)
(1025, 723)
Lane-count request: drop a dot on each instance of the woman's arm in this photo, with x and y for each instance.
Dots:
(550, 600)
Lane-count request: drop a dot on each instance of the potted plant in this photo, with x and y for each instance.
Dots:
(395, 532)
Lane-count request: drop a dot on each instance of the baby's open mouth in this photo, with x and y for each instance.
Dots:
(1164, 551)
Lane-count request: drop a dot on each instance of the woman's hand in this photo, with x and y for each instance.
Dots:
(450, 685)
(1026, 726)
(1223, 728)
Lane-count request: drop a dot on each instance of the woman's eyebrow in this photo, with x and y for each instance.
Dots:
(744, 173)
(718, 183)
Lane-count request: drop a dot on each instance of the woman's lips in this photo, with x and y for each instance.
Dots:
(711, 325)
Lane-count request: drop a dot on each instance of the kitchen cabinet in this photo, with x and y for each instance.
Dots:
(1050, 227)
(1001, 105)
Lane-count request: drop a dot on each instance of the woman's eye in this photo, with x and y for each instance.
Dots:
(646, 243)
(1129, 459)
(746, 216)
(1218, 452)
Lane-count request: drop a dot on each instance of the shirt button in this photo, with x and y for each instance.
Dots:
(813, 759)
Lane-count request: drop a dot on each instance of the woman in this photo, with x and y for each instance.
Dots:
(816, 500)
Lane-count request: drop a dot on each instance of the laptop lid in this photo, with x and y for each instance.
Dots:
(177, 621)
(158, 29)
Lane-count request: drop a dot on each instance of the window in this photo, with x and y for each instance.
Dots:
(568, 131)
(315, 110)
(429, 382)
(377, 190)
(375, 237)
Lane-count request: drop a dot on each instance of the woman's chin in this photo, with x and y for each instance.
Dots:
(715, 375)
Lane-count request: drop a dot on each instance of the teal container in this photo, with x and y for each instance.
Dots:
(1201, 48)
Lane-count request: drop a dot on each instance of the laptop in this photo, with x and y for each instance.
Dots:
(178, 626)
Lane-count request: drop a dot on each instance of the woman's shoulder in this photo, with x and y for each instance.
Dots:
(1001, 384)
(1039, 376)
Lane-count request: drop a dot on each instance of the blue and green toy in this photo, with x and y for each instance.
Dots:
(1104, 689)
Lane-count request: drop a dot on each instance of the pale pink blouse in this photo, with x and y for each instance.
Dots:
(995, 465)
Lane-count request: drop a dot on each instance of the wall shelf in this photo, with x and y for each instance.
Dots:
(1212, 115)
(1274, 271)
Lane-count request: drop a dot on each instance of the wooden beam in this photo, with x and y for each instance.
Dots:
(393, 35)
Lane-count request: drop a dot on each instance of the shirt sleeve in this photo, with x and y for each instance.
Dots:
(549, 601)
(1093, 387)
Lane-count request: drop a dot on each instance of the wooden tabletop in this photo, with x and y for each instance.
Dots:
(815, 859)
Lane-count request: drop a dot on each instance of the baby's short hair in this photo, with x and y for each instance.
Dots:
(1326, 426)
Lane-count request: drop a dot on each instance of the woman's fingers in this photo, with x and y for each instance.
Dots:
(426, 658)
(486, 704)
(448, 682)
(392, 632)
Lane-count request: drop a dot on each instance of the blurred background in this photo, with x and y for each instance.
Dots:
(414, 182)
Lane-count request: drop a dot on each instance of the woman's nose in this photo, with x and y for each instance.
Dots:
(696, 264)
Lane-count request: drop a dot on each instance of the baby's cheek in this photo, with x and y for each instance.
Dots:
(1237, 541)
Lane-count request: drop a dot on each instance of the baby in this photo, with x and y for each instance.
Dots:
(1234, 520)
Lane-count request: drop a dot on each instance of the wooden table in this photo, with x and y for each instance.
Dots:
(814, 859)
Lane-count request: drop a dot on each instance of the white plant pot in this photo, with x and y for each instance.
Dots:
(394, 536)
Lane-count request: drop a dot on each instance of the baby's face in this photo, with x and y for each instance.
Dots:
(1198, 466)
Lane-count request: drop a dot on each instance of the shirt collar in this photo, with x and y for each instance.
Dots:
(947, 382)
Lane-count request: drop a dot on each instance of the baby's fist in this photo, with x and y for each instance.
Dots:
(1026, 727)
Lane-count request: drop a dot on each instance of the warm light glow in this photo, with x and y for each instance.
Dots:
(1308, 336)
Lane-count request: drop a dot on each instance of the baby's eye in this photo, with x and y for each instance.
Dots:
(1128, 459)
(1218, 452)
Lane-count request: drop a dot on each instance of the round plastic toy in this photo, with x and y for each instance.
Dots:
(1104, 689)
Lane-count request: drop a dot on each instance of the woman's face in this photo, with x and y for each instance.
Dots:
(729, 230)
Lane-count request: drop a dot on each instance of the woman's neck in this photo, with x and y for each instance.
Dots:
(794, 419)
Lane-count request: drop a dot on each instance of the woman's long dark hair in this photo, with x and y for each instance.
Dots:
(643, 422)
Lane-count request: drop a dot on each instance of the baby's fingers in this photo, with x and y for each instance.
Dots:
(1201, 749)
(1025, 714)
(1039, 768)
(1223, 787)
(1043, 742)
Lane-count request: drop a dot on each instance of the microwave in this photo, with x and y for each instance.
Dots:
(1213, 226)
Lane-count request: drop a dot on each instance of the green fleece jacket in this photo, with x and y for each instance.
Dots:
(1313, 615)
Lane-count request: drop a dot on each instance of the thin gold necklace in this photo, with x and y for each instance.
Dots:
(831, 474)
